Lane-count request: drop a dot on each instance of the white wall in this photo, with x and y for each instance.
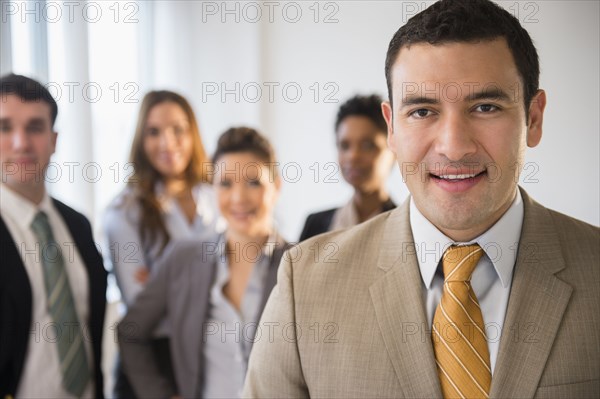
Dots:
(567, 37)
(188, 48)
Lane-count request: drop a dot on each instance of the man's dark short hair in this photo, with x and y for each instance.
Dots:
(449, 21)
(367, 106)
(28, 90)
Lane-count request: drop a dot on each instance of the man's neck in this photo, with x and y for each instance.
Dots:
(32, 193)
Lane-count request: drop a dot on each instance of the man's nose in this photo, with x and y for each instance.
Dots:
(455, 139)
(20, 139)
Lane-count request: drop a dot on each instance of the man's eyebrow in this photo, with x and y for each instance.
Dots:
(490, 94)
(416, 100)
(36, 121)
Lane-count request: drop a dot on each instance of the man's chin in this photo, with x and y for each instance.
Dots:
(16, 183)
(455, 218)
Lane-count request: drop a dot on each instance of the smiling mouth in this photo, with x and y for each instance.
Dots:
(457, 177)
(168, 157)
(242, 215)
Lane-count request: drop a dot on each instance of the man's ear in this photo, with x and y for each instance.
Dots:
(386, 109)
(54, 138)
(536, 118)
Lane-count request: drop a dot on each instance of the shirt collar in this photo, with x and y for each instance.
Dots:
(500, 242)
(21, 209)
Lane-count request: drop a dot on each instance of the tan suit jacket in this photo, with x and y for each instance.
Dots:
(356, 300)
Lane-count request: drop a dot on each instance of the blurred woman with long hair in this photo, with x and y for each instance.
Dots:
(167, 198)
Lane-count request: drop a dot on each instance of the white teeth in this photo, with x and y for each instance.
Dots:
(457, 177)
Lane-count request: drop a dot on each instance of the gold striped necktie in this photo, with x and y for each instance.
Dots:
(458, 333)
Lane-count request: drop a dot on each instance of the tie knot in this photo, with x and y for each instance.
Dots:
(459, 262)
(40, 223)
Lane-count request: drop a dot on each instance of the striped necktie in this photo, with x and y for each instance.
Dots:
(61, 306)
(458, 334)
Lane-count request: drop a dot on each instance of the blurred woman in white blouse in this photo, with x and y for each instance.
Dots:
(167, 198)
(212, 294)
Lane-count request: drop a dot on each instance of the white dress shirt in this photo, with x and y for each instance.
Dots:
(42, 376)
(492, 277)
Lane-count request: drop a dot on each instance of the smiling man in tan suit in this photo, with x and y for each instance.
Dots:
(470, 288)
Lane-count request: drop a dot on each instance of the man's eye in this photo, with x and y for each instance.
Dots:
(254, 183)
(35, 129)
(5, 128)
(486, 108)
(420, 113)
(225, 183)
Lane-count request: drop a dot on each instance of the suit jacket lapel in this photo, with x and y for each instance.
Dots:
(398, 301)
(197, 299)
(536, 305)
(15, 312)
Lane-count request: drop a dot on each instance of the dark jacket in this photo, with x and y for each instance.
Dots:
(317, 223)
(15, 300)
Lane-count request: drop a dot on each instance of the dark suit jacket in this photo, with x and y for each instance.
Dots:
(15, 300)
(179, 292)
(317, 223)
